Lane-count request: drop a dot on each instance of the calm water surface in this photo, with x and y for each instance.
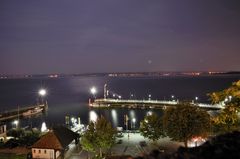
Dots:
(69, 96)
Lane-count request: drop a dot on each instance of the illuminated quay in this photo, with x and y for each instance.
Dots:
(145, 104)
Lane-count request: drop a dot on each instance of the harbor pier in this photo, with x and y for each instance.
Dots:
(144, 104)
(20, 111)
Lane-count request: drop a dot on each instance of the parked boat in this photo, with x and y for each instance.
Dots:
(34, 111)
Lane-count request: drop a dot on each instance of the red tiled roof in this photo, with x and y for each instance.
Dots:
(48, 141)
(59, 138)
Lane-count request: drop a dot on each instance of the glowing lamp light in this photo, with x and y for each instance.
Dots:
(134, 120)
(93, 116)
(16, 122)
(93, 90)
(44, 127)
(149, 113)
(42, 92)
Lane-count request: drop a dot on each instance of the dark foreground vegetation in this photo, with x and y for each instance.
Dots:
(224, 146)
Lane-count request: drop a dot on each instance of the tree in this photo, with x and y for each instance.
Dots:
(105, 134)
(228, 119)
(88, 139)
(99, 136)
(152, 127)
(184, 122)
(229, 96)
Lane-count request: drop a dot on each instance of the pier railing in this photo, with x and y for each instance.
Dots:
(145, 103)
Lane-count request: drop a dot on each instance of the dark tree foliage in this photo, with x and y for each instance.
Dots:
(99, 136)
(229, 96)
(152, 127)
(228, 119)
(184, 122)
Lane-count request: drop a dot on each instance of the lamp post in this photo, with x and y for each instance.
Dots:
(93, 91)
(196, 99)
(16, 122)
(42, 93)
(149, 97)
(230, 98)
(133, 123)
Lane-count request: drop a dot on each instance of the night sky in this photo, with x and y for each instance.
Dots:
(91, 36)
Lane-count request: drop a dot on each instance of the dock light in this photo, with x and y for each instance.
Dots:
(15, 122)
(172, 96)
(73, 120)
(93, 90)
(134, 120)
(42, 92)
(133, 123)
(149, 113)
(119, 97)
(149, 97)
(196, 98)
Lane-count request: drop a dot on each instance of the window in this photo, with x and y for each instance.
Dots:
(39, 151)
(45, 151)
(34, 151)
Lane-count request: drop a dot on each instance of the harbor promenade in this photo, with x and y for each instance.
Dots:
(142, 104)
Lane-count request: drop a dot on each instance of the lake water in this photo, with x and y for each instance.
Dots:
(70, 95)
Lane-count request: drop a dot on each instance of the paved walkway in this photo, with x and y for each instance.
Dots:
(130, 145)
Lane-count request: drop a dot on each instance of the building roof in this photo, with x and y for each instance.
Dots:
(58, 138)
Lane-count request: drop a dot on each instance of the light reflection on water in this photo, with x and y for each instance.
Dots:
(93, 116)
(69, 96)
(114, 117)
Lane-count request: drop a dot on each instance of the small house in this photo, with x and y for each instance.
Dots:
(54, 144)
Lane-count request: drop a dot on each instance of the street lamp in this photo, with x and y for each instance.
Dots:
(16, 122)
(42, 92)
(196, 99)
(93, 91)
(133, 123)
(149, 97)
(131, 96)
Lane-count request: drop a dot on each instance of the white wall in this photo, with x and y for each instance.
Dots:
(3, 132)
(44, 154)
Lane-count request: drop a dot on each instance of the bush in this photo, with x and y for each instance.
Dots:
(12, 143)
